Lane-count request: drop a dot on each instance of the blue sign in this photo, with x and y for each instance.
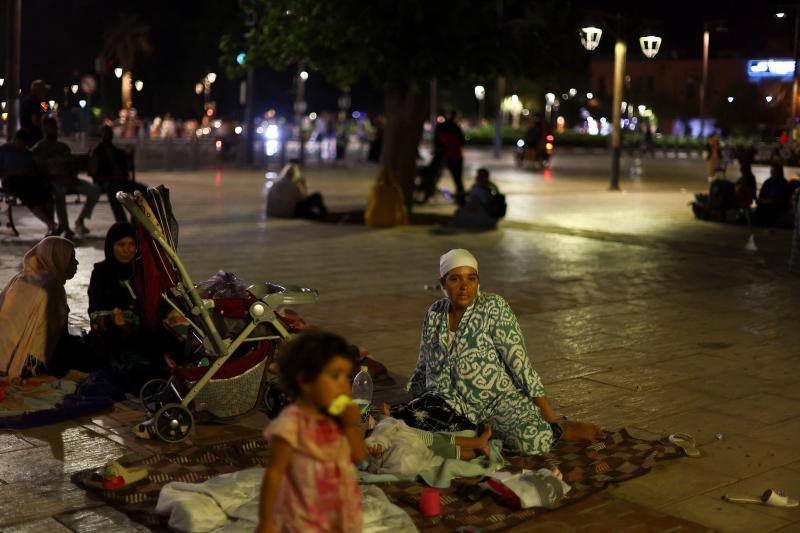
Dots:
(782, 69)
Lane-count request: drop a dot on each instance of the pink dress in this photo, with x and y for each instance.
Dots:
(320, 491)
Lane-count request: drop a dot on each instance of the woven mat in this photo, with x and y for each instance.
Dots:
(587, 468)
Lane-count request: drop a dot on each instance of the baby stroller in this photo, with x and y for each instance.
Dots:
(230, 363)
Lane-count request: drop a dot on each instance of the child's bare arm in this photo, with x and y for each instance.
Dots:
(281, 454)
(351, 425)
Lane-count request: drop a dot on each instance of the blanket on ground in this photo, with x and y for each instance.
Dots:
(586, 468)
(229, 503)
(43, 400)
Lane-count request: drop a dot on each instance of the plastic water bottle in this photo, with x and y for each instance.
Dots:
(362, 392)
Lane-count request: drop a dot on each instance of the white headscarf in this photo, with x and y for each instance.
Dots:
(456, 258)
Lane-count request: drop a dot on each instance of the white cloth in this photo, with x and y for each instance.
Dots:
(404, 454)
(229, 504)
(458, 257)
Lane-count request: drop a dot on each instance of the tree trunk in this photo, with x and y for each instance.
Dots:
(405, 116)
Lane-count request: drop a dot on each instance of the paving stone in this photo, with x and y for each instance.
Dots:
(50, 525)
(714, 512)
(100, 520)
(26, 502)
(10, 442)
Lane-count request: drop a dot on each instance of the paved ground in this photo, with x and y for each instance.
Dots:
(635, 315)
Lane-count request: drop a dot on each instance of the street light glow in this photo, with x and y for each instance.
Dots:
(650, 45)
(589, 96)
(768, 99)
(590, 37)
(118, 72)
(780, 14)
(480, 92)
(550, 98)
(52, 103)
(212, 77)
(2, 81)
(573, 92)
(139, 85)
(198, 88)
(641, 108)
(74, 88)
(730, 99)
(82, 103)
(241, 57)
(304, 75)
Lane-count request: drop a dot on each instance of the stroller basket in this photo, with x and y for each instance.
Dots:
(235, 387)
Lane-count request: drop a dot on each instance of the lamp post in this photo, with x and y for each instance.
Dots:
(717, 25)
(480, 95)
(781, 15)
(650, 44)
(300, 109)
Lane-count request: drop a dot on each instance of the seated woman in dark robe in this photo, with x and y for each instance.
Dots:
(118, 331)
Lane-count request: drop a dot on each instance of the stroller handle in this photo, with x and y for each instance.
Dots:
(127, 200)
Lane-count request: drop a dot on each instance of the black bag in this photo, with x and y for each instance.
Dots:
(497, 206)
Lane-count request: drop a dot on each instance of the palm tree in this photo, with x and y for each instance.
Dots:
(126, 40)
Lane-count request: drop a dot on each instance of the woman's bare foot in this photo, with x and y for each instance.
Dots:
(581, 431)
(386, 408)
(484, 437)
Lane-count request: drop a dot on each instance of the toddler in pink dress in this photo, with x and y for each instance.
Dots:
(310, 482)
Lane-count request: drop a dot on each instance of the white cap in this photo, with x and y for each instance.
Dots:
(455, 258)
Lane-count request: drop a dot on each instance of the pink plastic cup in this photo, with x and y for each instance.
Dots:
(429, 502)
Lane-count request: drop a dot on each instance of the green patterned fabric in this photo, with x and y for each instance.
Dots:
(486, 375)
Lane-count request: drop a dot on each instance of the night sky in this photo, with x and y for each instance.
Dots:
(61, 39)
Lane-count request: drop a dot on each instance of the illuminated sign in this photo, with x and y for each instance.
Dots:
(770, 68)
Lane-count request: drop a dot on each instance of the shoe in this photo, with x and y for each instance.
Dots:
(53, 232)
(67, 234)
(80, 228)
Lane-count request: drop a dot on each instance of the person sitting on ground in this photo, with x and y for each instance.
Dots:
(473, 369)
(20, 177)
(288, 197)
(395, 448)
(108, 167)
(118, 334)
(485, 205)
(745, 187)
(773, 198)
(55, 161)
(310, 482)
(34, 312)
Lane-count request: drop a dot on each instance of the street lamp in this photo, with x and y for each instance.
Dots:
(74, 88)
(303, 75)
(590, 37)
(198, 88)
(718, 25)
(549, 100)
(118, 72)
(139, 85)
(480, 95)
(82, 103)
(650, 44)
(212, 77)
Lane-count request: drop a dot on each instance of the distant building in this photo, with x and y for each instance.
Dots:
(742, 93)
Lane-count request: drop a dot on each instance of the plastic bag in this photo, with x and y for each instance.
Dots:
(223, 285)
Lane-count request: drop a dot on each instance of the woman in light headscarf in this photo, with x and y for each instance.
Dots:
(34, 311)
(473, 369)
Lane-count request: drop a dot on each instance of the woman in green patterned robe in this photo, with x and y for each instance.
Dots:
(473, 369)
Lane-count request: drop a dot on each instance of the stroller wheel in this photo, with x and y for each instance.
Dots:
(154, 394)
(173, 422)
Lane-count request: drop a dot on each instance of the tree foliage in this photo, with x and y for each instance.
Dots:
(405, 42)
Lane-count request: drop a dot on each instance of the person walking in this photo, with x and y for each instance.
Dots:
(449, 144)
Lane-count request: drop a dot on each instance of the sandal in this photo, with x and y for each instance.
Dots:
(770, 498)
(685, 442)
(113, 476)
